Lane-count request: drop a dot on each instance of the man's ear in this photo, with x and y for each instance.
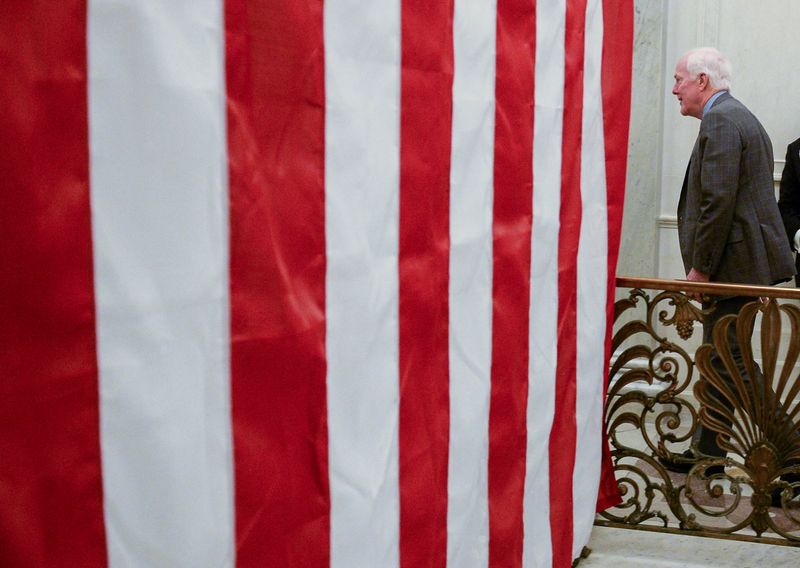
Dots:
(703, 78)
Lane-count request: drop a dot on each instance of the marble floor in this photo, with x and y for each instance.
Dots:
(625, 548)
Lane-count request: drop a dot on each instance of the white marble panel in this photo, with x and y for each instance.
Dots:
(760, 39)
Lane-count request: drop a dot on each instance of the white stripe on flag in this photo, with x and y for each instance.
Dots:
(592, 274)
(362, 75)
(547, 136)
(159, 204)
(471, 179)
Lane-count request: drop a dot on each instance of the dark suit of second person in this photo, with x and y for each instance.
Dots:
(729, 226)
(789, 202)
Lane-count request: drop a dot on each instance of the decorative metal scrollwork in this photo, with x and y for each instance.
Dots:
(684, 316)
(652, 414)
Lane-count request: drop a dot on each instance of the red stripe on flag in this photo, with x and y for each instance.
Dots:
(564, 431)
(276, 122)
(513, 213)
(51, 501)
(616, 92)
(425, 135)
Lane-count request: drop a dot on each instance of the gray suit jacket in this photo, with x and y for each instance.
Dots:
(729, 225)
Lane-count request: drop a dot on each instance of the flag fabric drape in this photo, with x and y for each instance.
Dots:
(295, 284)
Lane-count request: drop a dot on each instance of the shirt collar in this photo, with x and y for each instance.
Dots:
(710, 101)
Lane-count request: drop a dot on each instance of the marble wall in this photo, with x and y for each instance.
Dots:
(760, 39)
(638, 248)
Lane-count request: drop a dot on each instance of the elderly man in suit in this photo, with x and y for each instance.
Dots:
(729, 226)
(789, 203)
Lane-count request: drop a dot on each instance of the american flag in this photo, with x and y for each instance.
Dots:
(307, 283)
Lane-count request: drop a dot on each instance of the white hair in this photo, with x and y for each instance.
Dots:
(710, 61)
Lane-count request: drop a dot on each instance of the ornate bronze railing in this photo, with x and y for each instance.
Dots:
(663, 384)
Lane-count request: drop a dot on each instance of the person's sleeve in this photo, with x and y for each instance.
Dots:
(789, 202)
(720, 154)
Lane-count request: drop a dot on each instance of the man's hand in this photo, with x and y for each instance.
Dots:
(696, 276)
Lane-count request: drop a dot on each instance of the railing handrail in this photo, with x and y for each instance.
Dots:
(711, 288)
